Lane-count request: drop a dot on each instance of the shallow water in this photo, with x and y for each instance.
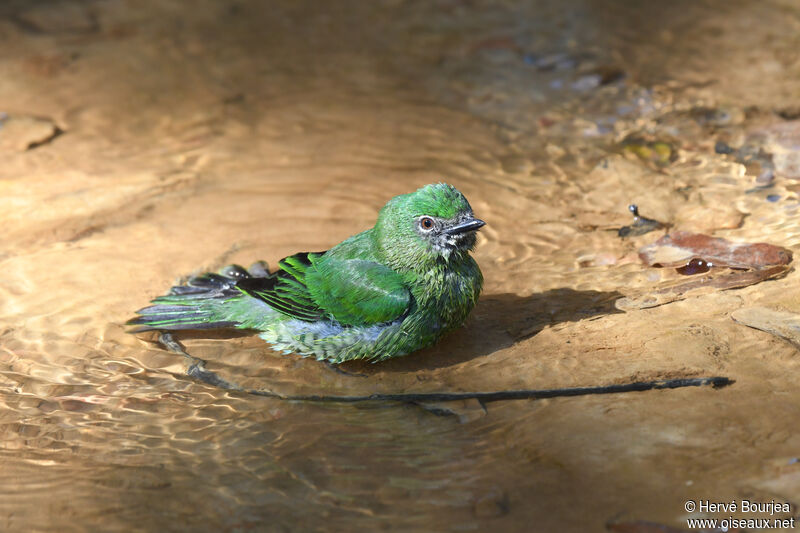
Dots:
(146, 141)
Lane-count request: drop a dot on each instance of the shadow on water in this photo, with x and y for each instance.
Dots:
(474, 343)
(497, 322)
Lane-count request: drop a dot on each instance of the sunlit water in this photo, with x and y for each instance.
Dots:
(197, 134)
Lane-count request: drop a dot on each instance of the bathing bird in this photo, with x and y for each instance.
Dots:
(385, 292)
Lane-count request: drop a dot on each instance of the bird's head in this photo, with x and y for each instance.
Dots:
(434, 221)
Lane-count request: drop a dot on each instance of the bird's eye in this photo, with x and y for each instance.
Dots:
(426, 223)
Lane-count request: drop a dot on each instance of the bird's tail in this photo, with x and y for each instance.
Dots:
(204, 302)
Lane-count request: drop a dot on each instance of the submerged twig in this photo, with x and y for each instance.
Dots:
(496, 396)
(198, 371)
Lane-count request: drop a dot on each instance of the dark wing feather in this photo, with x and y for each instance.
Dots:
(286, 290)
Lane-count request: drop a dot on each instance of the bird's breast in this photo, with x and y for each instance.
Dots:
(447, 296)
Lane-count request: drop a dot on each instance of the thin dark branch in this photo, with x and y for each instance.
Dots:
(496, 396)
(197, 370)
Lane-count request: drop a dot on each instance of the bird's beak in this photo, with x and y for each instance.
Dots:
(464, 227)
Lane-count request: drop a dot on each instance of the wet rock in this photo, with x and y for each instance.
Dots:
(782, 135)
(769, 152)
(19, 133)
(744, 154)
(787, 164)
(782, 324)
(708, 217)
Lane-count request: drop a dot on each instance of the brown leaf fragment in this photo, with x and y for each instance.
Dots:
(678, 248)
(710, 263)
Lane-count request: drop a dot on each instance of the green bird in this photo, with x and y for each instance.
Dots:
(385, 292)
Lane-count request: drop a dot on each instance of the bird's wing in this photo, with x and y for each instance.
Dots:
(285, 290)
(358, 292)
(313, 286)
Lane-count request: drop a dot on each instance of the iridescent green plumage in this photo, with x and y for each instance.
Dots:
(385, 292)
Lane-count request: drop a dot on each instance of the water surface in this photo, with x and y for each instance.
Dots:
(146, 141)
